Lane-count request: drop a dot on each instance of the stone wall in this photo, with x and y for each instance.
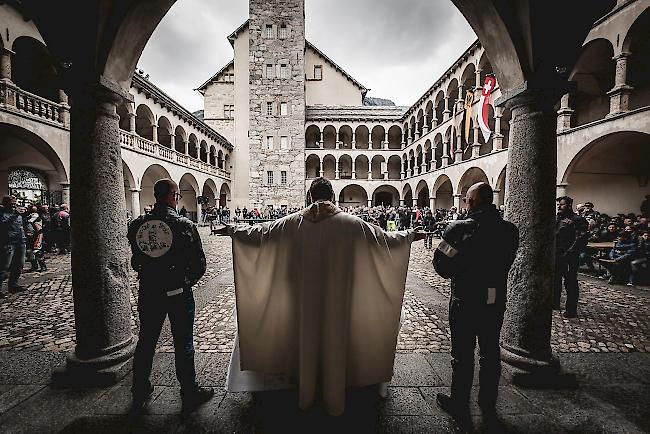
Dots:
(274, 89)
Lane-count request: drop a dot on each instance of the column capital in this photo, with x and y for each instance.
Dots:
(622, 55)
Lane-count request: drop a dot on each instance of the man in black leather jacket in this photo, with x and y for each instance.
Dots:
(571, 237)
(169, 259)
(476, 253)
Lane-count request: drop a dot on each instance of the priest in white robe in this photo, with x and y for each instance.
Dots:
(319, 295)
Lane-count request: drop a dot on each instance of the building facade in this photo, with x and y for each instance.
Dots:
(419, 155)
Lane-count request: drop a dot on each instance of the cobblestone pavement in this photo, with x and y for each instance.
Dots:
(612, 318)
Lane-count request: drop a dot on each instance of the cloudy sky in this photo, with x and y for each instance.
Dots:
(397, 48)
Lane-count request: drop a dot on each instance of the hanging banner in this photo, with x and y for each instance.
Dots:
(469, 102)
(484, 103)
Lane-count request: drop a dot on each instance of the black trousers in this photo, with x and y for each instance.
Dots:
(566, 269)
(153, 307)
(469, 322)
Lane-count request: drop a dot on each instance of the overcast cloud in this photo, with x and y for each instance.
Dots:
(397, 48)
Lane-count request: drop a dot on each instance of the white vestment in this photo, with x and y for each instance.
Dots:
(319, 295)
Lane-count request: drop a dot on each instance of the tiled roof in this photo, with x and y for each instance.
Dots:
(211, 79)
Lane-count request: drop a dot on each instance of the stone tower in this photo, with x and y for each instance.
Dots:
(277, 102)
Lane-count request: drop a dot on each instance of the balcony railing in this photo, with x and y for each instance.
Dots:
(14, 99)
(139, 144)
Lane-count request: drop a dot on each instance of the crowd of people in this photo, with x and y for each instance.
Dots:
(29, 233)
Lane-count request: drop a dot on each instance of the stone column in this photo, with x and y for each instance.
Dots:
(404, 139)
(560, 190)
(425, 126)
(172, 141)
(65, 193)
(461, 99)
(132, 123)
(619, 96)
(564, 114)
(5, 65)
(458, 152)
(354, 140)
(385, 146)
(100, 254)
(409, 137)
(432, 203)
(497, 137)
(369, 171)
(446, 114)
(369, 203)
(458, 201)
(336, 168)
(531, 177)
(445, 154)
(154, 133)
(354, 170)
(495, 197)
(135, 202)
(417, 132)
(479, 85)
(64, 110)
(338, 141)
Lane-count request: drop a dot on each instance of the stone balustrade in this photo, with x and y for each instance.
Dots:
(14, 99)
(139, 144)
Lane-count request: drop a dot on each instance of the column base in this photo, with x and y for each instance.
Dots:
(528, 372)
(102, 371)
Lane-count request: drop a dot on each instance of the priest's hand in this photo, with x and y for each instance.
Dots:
(419, 234)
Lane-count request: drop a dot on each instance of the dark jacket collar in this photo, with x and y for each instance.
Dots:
(484, 212)
(163, 209)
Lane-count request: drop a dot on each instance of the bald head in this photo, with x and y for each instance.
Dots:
(166, 191)
(479, 194)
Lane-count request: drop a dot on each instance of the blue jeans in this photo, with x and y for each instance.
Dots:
(12, 260)
(153, 307)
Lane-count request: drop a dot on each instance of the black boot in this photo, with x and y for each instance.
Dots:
(41, 263)
(191, 401)
(459, 412)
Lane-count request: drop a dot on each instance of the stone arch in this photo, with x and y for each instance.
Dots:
(224, 195)
(385, 195)
(189, 189)
(412, 162)
(422, 194)
(439, 104)
(428, 155)
(329, 137)
(407, 195)
(193, 146)
(22, 148)
(212, 156)
(420, 122)
(412, 127)
(594, 75)
(203, 151)
(377, 137)
(468, 77)
(619, 164)
(345, 137)
(443, 191)
(312, 136)
(430, 113)
(419, 159)
(312, 166)
(362, 137)
(362, 167)
(32, 68)
(165, 132)
(394, 167)
(353, 195)
(180, 139)
(395, 137)
(469, 178)
(329, 166)
(637, 43)
(210, 191)
(150, 176)
(452, 93)
(485, 66)
(377, 166)
(500, 187)
(124, 112)
(345, 167)
(144, 122)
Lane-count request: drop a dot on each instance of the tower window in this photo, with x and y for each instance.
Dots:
(269, 31)
(269, 109)
(284, 142)
(228, 111)
(269, 70)
(284, 71)
(283, 177)
(318, 72)
(284, 109)
(269, 177)
(283, 31)
(269, 142)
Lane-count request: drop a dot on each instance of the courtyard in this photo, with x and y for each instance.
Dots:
(606, 348)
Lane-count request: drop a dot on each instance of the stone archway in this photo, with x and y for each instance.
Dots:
(353, 195)
(385, 195)
(150, 176)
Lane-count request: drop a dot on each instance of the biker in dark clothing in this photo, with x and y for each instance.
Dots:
(476, 253)
(429, 225)
(571, 236)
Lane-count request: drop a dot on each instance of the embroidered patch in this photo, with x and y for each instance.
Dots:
(447, 249)
(154, 238)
